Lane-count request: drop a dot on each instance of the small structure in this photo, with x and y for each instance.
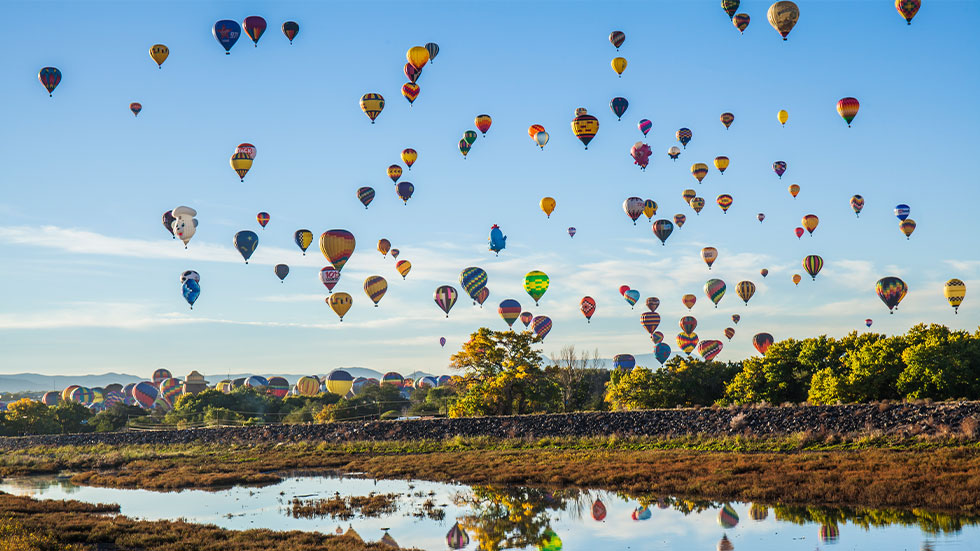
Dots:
(194, 383)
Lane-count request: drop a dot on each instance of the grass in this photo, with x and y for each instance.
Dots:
(344, 508)
(940, 474)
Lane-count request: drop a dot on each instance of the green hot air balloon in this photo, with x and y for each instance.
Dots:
(715, 289)
(536, 284)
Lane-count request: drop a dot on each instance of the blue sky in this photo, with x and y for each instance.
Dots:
(91, 279)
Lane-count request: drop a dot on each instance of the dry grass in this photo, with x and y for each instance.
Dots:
(344, 508)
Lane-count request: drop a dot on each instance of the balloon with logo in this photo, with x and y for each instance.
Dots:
(246, 242)
(340, 303)
(587, 305)
(509, 311)
(783, 16)
(541, 325)
(709, 255)
(403, 267)
(633, 206)
(536, 284)
(868, 322)
(662, 229)
(329, 276)
(797, 279)
(715, 290)
(445, 297)
(891, 290)
(955, 291)
(762, 342)
(847, 108)
(226, 32)
(857, 203)
(812, 264)
(184, 225)
(799, 232)
(725, 202)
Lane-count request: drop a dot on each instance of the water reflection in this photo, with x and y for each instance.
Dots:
(442, 516)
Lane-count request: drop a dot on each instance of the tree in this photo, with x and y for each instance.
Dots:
(489, 353)
(776, 377)
(26, 416)
(115, 417)
(72, 417)
(372, 402)
(579, 378)
(940, 364)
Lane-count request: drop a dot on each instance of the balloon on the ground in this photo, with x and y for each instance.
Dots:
(339, 382)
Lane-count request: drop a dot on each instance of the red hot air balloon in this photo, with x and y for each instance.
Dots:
(254, 26)
(588, 308)
(799, 232)
(762, 342)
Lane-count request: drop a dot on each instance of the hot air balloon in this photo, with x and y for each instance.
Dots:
(955, 291)
(536, 284)
(799, 232)
(652, 303)
(241, 164)
(526, 318)
(779, 167)
(191, 290)
(641, 154)
(403, 266)
(907, 226)
(456, 538)
(709, 255)
(891, 291)
(246, 241)
(541, 325)
(847, 108)
(741, 22)
(168, 222)
(623, 289)
(303, 238)
(498, 241)
(902, 211)
(794, 190)
(812, 265)
(657, 337)
(908, 8)
(810, 222)
(135, 107)
(649, 208)
(662, 229)
(727, 119)
(762, 342)
(365, 195)
(411, 73)
(340, 304)
(262, 218)
(619, 65)
(339, 382)
(633, 206)
(290, 29)
(661, 352)
(587, 305)
(688, 324)
(418, 56)
(697, 204)
(797, 279)
(725, 202)
(159, 54)
(394, 172)
(50, 77)
(783, 16)
(469, 136)
(674, 152)
(745, 290)
(730, 7)
(736, 318)
(541, 138)
(372, 105)
(709, 349)
(584, 126)
(868, 322)
(464, 148)
(688, 195)
(337, 246)
(782, 116)
(721, 163)
(254, 26)
(624, 362)
(764, 272)
(598, 510)
(571, 232)
(410, 91)
(644, 125)
(189, 274)
(226, 32)
(473, 280)
(679, 220)
(281, 271)
(699, 171)
(650, 321)
(857, 203)
(619, 106)
(547, 205)
(184, 225)
(632, 296)
(616, 38)
(509, 311)
(684, 136)
(445, 297)
(384, 246)
(409, 156)
(534, 129)
(729, 332)
(483, 123)
(433, 50)
(404, 191)
(715, 290)
(375, 288)
(761, 216)
(688, 301)
(687, 342)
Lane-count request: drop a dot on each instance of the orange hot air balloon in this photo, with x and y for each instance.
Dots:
(483, 123)
(709, 255)
(847, 108)
(794, 190)
(384, 246)
(688, 301)
(533, 130)
(797, 278)
(810, 222)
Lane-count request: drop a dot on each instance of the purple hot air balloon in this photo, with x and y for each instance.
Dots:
(571, 232)
(779, 167)
(442, 341)
(541, 326)
(644, 125)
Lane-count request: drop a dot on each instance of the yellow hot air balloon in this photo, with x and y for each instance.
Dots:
(783, 16)
(688, 195)
(810, 222)
(418, 56)
(782, 116)
(375, 287)
(721, 163)
(699, 171)
(372, 105)
(159, 53)
(548, 205)
(955, 291)
(745, 290)
(619, 65)
(709, 255)
(697, 204)
(649, 208)
(907, 226)
(797, 279)
(409, 156)
(403, 267)
(241, 163)
(340, 303)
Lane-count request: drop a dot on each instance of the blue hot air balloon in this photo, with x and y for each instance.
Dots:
(902, 212)
(624, 361)
(226, 32)
(246, 241)
(191, 291)
(498, 241)
(662, 352)
(618, 106)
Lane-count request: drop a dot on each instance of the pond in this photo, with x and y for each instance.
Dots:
(421, 514)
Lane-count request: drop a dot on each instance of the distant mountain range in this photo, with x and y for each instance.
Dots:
(34, 382)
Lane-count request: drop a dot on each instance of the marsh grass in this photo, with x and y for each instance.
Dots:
(345, 508)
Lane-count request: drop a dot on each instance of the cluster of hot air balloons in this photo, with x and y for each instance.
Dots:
(418, 57)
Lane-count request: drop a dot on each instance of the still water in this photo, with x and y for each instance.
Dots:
(532, 518)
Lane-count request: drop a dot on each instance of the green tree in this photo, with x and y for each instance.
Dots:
(72, 417)
(372, 402)
(940, 364)
(869, 371)
(115, 417)
(26, 416)
(778, 376)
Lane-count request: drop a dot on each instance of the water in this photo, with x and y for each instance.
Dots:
(520, 518)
